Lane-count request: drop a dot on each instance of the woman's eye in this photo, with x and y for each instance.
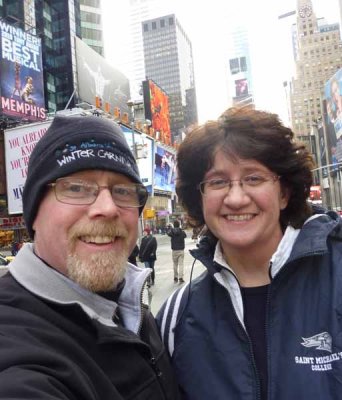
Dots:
(253, 179)
(217, 183)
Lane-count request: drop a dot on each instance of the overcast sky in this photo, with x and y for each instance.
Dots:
(208, 29)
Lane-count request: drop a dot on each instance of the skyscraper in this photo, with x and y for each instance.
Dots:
(240, 82)
(169, 63)
(141, 10)
(91, 24)
(318, 57)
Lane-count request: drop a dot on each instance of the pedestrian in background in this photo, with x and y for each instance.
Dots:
(148, 251)
(264, 320)
(73, 324)
(133, 256)
(177, 236)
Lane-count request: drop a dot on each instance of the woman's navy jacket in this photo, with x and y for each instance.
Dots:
(211, 351)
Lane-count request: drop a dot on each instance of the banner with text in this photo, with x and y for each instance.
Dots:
(19, 143)
(21, 79)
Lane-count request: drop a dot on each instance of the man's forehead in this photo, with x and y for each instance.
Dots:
(99, 174)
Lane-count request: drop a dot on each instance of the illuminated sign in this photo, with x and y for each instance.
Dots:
(241, 87)
(143, 149)
(165, 170)
(21, 79)
(99, 83)
(156, 104)
(332, 110)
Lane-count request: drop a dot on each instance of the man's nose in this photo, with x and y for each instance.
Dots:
(104, 204)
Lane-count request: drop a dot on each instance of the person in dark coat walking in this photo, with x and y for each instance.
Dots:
(133, 256)
(177, 236)
(148, 251)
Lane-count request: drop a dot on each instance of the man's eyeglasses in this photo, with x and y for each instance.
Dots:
(83, 192)
(249, 183)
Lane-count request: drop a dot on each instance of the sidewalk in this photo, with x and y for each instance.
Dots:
(164, 284)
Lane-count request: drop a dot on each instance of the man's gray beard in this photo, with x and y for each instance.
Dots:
(100, 272)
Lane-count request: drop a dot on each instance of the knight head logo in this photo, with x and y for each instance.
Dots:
(321, 341)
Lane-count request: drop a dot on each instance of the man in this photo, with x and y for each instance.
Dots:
(72, 324)
(148, 252)
(177, 245)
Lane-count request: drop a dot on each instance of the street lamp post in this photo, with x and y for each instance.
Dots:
(131, 104)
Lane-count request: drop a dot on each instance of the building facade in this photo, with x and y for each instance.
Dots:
(240, 81)
(318, 57)
(169, 63)
(141, 10)
(91, 24)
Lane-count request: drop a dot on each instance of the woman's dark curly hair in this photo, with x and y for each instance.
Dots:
(247, 134)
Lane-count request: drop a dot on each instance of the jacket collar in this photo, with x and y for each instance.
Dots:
(278, 259)
(45, 282)
(296, 243)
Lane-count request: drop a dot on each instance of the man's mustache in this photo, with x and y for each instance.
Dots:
(98, 229)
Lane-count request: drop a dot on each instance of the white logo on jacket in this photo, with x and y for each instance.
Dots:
(322, 341)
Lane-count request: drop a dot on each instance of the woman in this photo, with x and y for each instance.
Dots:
(264, 321)
(148, 251)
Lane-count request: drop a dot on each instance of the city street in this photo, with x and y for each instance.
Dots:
(164, 284)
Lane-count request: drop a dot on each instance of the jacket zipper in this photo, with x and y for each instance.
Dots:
(258, 389)
(152, 359)
(141, 304)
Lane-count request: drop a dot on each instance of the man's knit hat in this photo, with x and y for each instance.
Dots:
(73, 144)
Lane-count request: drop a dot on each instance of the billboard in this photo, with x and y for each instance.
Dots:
(165, 170)
(332, 110)
(145, 155)
(19, 143)
(238, 64)
(97, 78)
(156, 104)
(21, 79)
(241, 87)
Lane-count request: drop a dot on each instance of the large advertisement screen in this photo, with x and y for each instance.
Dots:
(21, 78)
(241, 87)
(333, 115)
(97, 78)
(165, 170)
(19, 143)
(156, 103)
(144, 152)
